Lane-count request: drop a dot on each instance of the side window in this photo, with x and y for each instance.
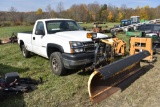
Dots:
(72, 26)
(40, 26)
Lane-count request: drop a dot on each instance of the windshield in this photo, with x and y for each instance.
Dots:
(126, 22)
(62, 25)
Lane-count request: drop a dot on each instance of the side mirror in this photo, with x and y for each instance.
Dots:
(39, 32)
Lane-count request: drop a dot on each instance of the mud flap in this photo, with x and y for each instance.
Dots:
(104, 81)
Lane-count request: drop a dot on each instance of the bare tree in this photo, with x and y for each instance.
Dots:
(94, 9)
(79, 12)
(13, 9)
(50, 11)
(74, 12)
(157, 12)
(31, 18)
(60, 9)
(82, 12)
(124, 9)
(114, 10)
(13, 16)
(20, 17)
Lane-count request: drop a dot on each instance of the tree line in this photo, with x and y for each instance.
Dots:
(79, 12)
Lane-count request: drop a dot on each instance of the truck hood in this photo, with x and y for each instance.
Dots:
(77, 35)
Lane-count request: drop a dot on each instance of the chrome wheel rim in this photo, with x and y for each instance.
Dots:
(54, 64)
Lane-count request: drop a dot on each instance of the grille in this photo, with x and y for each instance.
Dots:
(89, 46)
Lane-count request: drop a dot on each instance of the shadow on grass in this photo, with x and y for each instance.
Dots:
(83, 72)
(71, 71)
(6, 69)
(136, 76)
(11, 99)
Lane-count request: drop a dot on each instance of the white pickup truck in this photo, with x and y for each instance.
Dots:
(62, 41)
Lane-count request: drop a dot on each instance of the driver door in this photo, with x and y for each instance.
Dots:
(38, 39)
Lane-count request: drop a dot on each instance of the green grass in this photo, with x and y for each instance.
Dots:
(6, 32)
(70, 90)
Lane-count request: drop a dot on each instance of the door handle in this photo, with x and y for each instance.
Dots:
(33, 38)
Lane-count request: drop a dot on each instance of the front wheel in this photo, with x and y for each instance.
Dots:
(56, 63)
(25, 52)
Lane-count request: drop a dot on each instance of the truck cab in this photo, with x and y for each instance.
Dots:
(135, 19)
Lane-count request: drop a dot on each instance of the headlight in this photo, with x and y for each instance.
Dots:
(91, 35)
(76, 46)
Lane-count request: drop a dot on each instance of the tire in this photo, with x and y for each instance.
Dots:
(56, 64)
(25, 52)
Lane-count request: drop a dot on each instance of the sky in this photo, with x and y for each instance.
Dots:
(33, 5)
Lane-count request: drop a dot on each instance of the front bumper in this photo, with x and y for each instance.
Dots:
(76, 61)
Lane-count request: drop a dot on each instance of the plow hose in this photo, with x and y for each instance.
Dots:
(106, 80)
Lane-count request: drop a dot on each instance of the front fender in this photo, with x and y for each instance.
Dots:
(51, 47)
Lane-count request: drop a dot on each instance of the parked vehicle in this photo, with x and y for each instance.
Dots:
(135, 19)
(135, 22)
(62, 41)
(125, 23)
(154, 28)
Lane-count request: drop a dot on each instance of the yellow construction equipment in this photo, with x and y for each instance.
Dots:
(118, 45)
(106, 80)
(138, 44)
(106, 50)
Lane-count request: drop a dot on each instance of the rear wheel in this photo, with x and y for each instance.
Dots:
(56, 63)
(25, 52)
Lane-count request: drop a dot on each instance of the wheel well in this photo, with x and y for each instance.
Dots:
(54, 48)
(21, 43)
(50, 50)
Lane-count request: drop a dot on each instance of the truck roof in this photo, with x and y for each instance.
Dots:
(134, 16)
(52, 19)
(125, 20)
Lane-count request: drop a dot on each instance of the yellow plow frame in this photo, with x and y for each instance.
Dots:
(104, 82)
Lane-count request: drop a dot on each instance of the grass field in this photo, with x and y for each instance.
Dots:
(71, 90)
(6, 32)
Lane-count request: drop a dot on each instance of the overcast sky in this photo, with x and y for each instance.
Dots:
(33, 5)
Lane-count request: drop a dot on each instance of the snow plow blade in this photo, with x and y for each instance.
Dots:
(105, 81)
